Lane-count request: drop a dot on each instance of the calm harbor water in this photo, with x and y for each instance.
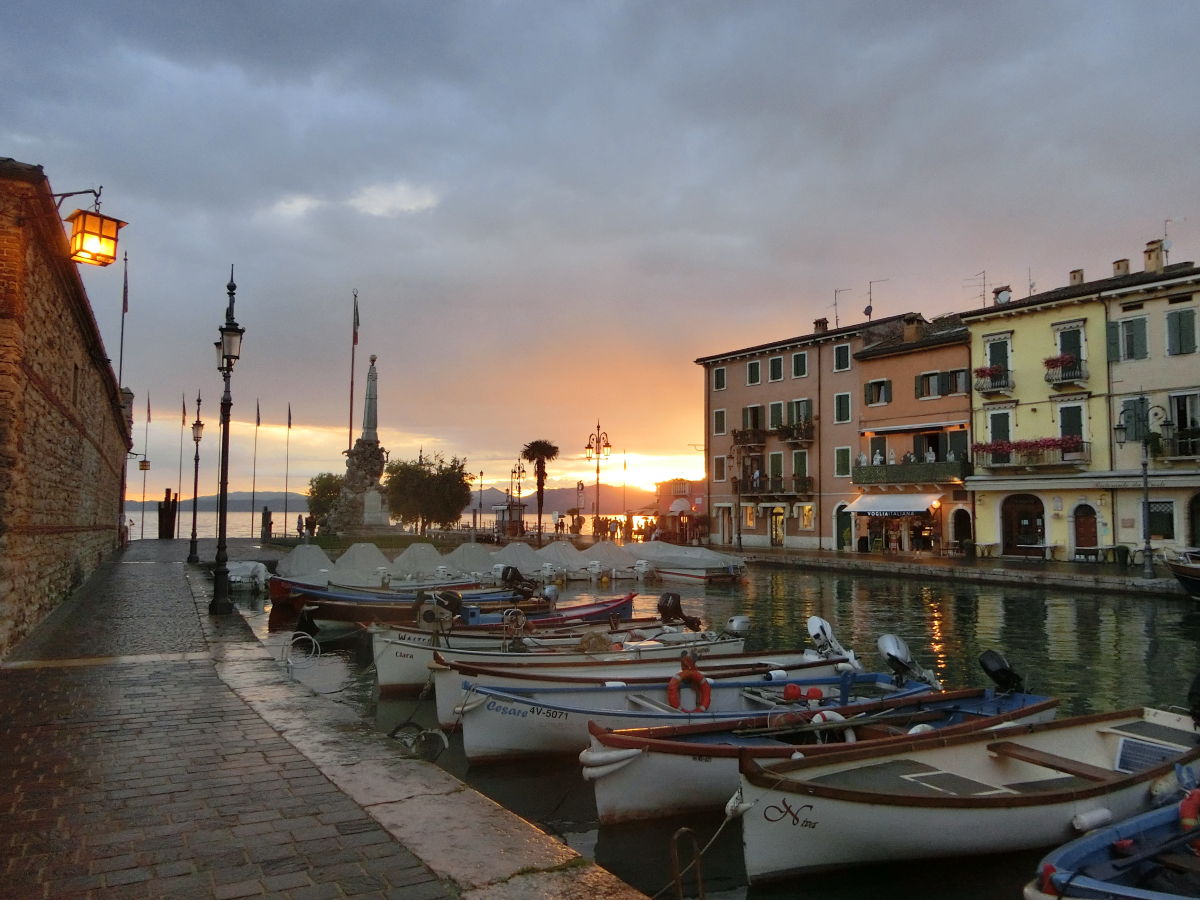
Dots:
(1096, 652)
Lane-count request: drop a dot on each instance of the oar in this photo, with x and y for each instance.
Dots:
(878, 719)
(1102, 871)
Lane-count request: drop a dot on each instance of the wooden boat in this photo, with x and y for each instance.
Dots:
(1186, 569)
(453, 679)
(1149, 856)
(1019, 787)
(403, 656)
(645, 773)
(500, 725)
(285, 591)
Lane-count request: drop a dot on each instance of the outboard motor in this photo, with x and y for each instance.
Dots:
(998, 669)
(823, 638)
(433, 613)
(550, 595)
(511, 578)
(738, 626)
(1193, 698)
(893, 649)
(451, 600)
(670, 610)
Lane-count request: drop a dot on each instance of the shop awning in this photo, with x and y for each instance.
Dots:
(892, 504)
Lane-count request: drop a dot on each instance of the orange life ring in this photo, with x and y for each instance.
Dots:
(701, 685)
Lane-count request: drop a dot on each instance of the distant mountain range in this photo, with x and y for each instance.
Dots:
(614, 499)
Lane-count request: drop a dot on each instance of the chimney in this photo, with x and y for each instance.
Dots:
(912, 327)
(1154, 255)
(1120, 267)
(820, 325)
(1077, 276)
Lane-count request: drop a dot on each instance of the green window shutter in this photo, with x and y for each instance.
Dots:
(887, 391)
(919, 382)
(1139, 348)
(1114, 342)
(1181, 332)
(1070, 421)
(867, 393)
(943, 380)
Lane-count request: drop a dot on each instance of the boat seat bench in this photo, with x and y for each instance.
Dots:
(1051, 761)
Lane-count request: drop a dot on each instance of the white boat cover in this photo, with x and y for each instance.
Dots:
(521, 556)
(419, 559)
(360, 564)
(247, 575)
(467, 558)
(563, 554)
(304, 560)
(656, 551)
(608, 553)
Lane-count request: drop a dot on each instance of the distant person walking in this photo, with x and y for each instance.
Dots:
(300, 526)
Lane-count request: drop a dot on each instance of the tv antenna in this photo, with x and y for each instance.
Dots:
(871, 306)
(837, 291)
(983, 284)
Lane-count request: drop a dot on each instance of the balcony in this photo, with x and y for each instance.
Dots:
(1036, 454)
(1075, 373)
(749, 437)
(1184, 444)
(994, 380)
(798, 432)
(948, 471)
(777, 487)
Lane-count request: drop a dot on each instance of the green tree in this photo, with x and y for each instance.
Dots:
(427, 491)
(323, 492)
(539, 453)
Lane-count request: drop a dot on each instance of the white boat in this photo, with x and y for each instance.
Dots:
(672, 562)
(403, 656)
(454, 679)
(643, 773)
(500, 725)
(1015, 788)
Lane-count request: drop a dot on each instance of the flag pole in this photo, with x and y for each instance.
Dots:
(179, 487)
(254, 464)
(287, 453)
(353, 350)
(146, 467)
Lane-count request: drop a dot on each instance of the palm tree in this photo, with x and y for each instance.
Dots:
(539, 453)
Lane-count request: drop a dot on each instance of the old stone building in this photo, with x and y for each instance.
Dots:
(64, 430)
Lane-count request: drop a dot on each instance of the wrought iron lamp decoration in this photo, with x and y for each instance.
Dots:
(93, 235)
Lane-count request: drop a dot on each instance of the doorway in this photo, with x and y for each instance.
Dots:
(1022, 521)
(960, 526)
(776, 528)
(843, 526)
(1086, 534)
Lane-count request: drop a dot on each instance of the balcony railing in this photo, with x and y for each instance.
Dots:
(1034, 457)
(749, 437)
(999, 383)
(912, 473)
(778, 485)
(1182, 443)
(798, 432)
(1075, 373)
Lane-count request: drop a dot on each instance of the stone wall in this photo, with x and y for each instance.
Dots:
(64, 433)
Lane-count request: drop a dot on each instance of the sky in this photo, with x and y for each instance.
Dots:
(550, 209)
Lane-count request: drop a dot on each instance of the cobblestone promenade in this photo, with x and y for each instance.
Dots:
(154, 751)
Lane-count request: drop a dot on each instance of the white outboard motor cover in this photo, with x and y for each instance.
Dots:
(823, 637)
(739, 626)
(550, 593)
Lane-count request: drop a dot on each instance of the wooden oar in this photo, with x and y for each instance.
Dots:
(911, 717)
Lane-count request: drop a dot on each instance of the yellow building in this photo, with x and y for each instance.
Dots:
(1043, 413)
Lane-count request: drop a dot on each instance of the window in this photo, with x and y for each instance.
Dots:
(775, 415)
(1070, 420)
(752, 417)
(748, 516)
(999, 432)
(996, 351)
(799, 411)
(718, 421)
(775, 470)
(754, 372)
(958, 381)
(927, 385)
(841, 357)
(808, 516)
(718, 468)
(1181, 332)
(841, 462)
(877, 392)
(941, 384)
(1070, 342)
(799, 462)
(1162, 520)
(841, 407)
(1185, 413)
(799, 365)
(775, 368)
(719, 378)
(1127, 339)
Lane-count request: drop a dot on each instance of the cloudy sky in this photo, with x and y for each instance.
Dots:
(549, 209)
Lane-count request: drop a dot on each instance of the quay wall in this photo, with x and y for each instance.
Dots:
(64, 425)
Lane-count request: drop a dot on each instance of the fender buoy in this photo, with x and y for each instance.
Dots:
(830, 715)
(1189, 813)
(698, 683)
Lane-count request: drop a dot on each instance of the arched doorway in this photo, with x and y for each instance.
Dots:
(777, 526)
(1086, 534)
(960, 526)
(843, 527)
(1022, 521)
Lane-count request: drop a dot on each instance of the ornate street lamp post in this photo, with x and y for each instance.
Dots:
(197, 433)
(598, 448)
(229, 350)
(1139, 416)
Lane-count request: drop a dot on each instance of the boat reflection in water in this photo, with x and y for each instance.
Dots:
(1096, 652)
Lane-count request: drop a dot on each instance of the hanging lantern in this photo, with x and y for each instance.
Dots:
(94, 237)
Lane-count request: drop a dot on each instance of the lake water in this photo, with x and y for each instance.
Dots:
(1096, 652)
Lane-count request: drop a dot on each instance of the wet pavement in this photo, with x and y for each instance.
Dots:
(156, 751)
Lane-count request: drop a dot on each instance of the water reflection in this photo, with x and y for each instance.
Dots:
(1096, 652)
